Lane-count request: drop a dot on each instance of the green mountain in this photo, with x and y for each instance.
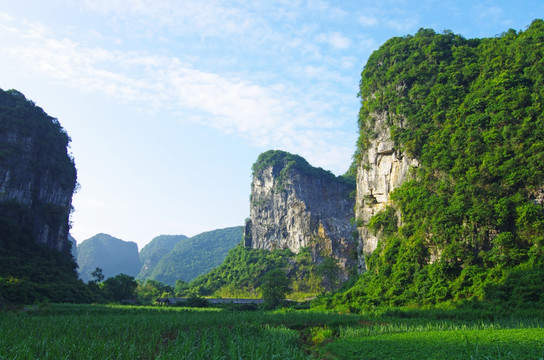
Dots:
(468, 221)
(112, 255)
(195, 256)
(151, 254)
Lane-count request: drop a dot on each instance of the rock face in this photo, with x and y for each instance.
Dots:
(294, 205)
(37, 176)
(382, 169)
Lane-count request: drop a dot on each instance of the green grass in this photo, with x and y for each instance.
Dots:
(437, 344)
(60, 331)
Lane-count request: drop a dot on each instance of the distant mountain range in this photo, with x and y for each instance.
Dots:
(166, 258)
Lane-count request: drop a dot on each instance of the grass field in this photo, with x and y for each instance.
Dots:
(61, 331)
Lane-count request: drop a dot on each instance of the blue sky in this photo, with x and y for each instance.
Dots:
(169, 102)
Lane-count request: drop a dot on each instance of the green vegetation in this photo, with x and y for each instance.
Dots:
(244, 271)
(32, 272)
(114, 256)
(196, 256)
(274, 287)
(282, 162)
(152, 253)
(473, 217)
(26, 127)
(126, 332)
(148, 291)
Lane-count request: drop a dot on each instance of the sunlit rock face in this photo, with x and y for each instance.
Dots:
(382, 169)
(37, 176)
(294, 205)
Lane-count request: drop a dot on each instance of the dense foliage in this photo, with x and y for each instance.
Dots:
(196, 256)
(152, 253)
(282, 162)
(241, 271)
(245, 270)
(21, 118)
(32, 272)
(471, 111)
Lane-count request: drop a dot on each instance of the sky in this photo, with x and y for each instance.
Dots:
(169, 102)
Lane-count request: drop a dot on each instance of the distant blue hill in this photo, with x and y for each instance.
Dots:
(114, 256)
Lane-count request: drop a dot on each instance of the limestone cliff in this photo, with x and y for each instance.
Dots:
(37, 176)
(382, 169)
(294, 205)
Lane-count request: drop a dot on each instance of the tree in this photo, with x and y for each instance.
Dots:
(119, 287)
(150, 290)
(274, 287)
(329, 270)
(98, 275)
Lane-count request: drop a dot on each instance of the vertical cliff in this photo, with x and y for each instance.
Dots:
(37, 175)
(294, 205)
(382, 169)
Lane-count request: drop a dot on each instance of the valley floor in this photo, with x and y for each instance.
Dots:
(62, 331)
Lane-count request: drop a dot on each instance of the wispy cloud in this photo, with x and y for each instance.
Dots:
(389, 17)
(278, 115)
(336, 40)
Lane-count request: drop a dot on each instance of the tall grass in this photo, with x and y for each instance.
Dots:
(86, 332)
(116, 332)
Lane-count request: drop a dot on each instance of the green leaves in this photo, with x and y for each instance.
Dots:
(470, 110)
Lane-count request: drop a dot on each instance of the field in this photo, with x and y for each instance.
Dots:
(60, 331)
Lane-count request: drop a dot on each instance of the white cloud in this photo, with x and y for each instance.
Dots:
(188, 17)
(335, 40)
(489, 14)
(394, 18)
(339, 41)
(275, 113)
(368, 20)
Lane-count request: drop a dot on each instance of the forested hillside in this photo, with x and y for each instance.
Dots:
(195, 256)
(152, 253)
(472, 219)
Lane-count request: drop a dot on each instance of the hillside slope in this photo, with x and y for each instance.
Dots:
(152, 253)
(195, 256)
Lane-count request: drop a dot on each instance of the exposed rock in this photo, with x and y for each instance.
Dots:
(294, 205)
(382, 169)
(37, 176)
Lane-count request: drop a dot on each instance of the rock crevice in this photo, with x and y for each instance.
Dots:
(382, 169)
